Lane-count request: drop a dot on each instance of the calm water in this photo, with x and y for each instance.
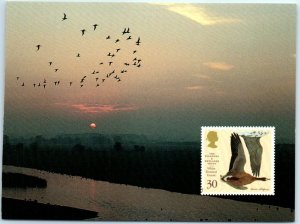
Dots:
(123, 202)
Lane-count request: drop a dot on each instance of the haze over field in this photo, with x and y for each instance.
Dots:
(202, 64)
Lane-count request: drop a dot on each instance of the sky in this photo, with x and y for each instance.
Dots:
(201, 65)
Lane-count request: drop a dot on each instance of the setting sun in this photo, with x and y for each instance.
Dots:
(93, 125)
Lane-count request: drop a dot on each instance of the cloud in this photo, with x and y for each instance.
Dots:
(195, 87)
(198, 14)
(218, 65)
(96, 108)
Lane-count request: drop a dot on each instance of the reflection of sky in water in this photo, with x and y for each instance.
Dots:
(124, 202)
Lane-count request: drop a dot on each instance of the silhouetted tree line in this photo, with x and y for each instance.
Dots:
(172, 169)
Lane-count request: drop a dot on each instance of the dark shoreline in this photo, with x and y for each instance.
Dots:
(18, 180)
(28, 210)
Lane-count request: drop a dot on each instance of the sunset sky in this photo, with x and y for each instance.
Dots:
(201, 65)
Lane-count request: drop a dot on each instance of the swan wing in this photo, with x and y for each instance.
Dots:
(255, 151)
(238, 159)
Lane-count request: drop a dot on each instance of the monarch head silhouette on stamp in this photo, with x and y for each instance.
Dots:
(212, 138)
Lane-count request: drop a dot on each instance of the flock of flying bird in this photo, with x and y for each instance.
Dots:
(136, 62)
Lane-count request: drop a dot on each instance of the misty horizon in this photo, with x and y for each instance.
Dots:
(148, 138)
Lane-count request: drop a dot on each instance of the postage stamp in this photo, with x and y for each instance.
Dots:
(237, 160)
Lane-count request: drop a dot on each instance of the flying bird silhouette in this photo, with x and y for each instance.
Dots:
(65, 17)
(236, 176)
(128, 38)
(134, 51)
(56, 69)
(71, 83)
(118, 49)
(82, 80)
(110, 63)
(82, 32)
(108, 37)
(138, 41)
(50, 63)
(117, 40)
(103, 80)
(97, 85)
(125, 31)
(95, 26)
(101, 63)
(78, 55)
(38, 47)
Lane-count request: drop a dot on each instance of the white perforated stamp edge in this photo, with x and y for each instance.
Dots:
(215, 176)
